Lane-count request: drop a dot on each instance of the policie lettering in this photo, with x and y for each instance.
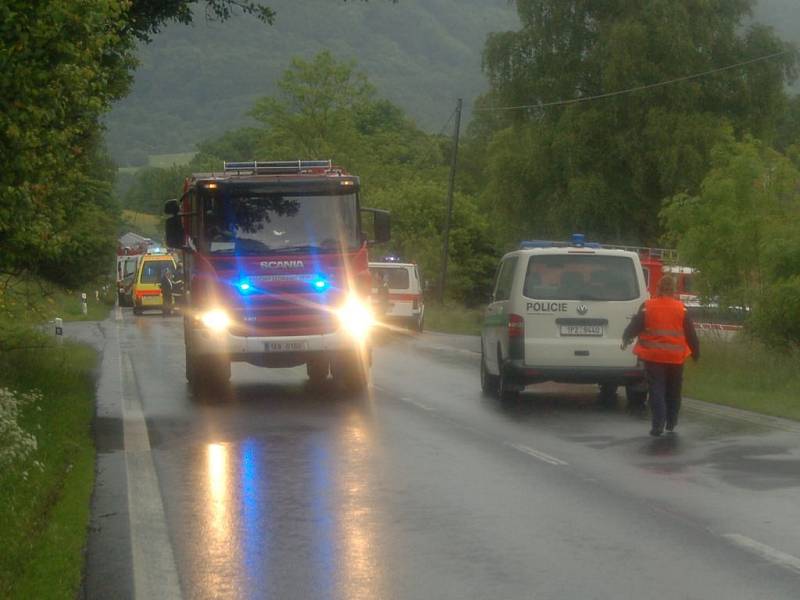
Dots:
(547, 307)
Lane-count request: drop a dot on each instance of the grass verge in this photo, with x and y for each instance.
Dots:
(28, 300)
(453, 318)
(743, 373)
(46, 496)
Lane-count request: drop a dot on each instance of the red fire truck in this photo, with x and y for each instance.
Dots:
(275, 268)
(657, 262)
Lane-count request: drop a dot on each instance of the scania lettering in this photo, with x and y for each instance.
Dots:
(275, 261)
(283, 264)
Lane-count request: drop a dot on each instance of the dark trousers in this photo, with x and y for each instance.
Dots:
(665, 382)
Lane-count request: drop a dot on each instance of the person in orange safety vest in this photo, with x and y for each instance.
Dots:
(666, 339)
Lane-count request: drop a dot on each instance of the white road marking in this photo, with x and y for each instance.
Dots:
(418, 404)
(766, 552)
(155, 574)
(551, 460)
(118, 313)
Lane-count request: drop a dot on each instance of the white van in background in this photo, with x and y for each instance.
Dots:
(397, 294)
(557, 313)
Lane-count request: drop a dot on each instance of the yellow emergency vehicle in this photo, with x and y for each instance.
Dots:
(146, 291)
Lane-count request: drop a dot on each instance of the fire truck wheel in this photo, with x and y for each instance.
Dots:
(204, 372)
(349, 372)
(137, 310)
(317, 369)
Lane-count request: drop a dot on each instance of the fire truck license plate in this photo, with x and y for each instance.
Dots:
(582, 330)
(285, 346)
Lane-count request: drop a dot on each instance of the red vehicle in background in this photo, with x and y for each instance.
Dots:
(657, 262)
(275, 270)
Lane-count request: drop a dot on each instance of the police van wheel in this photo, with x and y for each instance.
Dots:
(488, 381)
(608, 394)
(505, 391)
(636, 396)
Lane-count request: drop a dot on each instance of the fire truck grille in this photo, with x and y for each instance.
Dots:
(277, 317)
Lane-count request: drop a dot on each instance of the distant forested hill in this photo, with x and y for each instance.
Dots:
(195, 82)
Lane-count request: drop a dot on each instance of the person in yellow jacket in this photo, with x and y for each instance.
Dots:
(666, 339)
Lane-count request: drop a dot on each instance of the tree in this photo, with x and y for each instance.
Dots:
(418, 214)
(62, 66)
(741, 231)
(604, 166)
(315, 111)
(64, 63)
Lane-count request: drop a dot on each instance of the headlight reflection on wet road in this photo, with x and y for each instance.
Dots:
(361, 579)
(221, 546)
(242, 548)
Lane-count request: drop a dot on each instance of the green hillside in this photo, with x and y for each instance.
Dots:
(196, 82)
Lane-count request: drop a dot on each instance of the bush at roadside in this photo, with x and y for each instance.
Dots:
(46, 463)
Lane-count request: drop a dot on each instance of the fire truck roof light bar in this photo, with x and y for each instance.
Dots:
(578, 241)
(275, 167)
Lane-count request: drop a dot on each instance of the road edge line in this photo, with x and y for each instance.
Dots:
(155, 574)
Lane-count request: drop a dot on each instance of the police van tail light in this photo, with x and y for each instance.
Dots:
(516, 326)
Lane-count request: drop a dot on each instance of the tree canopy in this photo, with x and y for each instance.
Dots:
(740, 230)
(604, 166)
(64, 63)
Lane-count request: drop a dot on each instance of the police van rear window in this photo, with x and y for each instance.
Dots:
(577, 277)
(397, 277)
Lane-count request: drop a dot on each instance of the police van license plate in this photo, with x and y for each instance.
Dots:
(595, 330)
(285, 346)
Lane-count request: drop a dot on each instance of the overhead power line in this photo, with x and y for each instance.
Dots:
(637, 88)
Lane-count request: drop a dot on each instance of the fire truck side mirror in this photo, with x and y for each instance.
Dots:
(173, 227)
(172, 208)
(381, 225)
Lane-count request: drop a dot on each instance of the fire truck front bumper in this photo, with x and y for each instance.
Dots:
(275, 351)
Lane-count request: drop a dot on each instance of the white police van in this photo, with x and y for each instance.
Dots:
(557, 313)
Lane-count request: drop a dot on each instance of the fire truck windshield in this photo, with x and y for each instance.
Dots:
(243, 222)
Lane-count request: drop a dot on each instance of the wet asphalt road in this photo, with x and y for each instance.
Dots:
(422, 488)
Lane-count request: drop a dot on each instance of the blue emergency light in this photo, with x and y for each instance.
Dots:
(319, 283)
(243, 286)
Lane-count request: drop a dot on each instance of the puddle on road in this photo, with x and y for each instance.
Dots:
(757, 468)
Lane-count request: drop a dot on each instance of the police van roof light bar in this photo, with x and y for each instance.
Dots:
(276, 167)
(578, 240)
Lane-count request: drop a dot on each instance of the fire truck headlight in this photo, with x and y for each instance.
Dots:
(356, 317)
(216, 320)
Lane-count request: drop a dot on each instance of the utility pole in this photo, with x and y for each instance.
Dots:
(454, 162)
